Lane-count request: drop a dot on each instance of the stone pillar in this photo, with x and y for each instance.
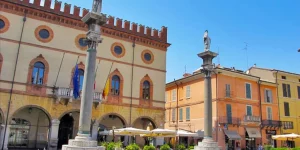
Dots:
(6, 137)
(54, 134)
(1, 134)
(95, 131)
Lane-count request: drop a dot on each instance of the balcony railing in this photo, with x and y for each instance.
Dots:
(229, 120)
(271, 123)
(228, 94)
(252, 118)
(67, 93)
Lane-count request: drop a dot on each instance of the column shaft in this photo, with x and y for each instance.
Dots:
(87, 93)
(207, 106)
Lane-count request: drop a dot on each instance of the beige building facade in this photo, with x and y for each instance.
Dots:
(36, 98)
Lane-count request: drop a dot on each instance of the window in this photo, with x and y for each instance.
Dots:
(188, 91)
(248, 91)
(286, 90)
(81, 75)
(249, 110)
(146, 90)
(44, 34)
(187, 114)
(227, 90)
(174, 96)
(268, 96)
(38, 73)
(180, 114)
(298, 87)
(118, 50)
(2, 24)
(286, 109)
(288, 125)
(115, 85)
(147, 56)
(82, 42)
(173, 114)
(269, 113)
(283, 77)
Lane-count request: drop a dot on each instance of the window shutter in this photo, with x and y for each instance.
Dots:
(187, 113)
(289, 90)
(188, 92)
(286, 109)
(270, 96)
(269, 113)
(173, 114)
(249, 111)
(266, 95)
(248, 90)
(284, 92)
(180, 114)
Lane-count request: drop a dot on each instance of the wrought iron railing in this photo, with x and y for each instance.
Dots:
(271, 123)
(252, 118)
(229, 120)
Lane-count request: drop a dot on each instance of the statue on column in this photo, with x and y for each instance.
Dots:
(207, 41)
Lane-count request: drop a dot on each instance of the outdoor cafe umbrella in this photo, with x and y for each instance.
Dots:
(160, 133)
(285, 137)
(130, 131)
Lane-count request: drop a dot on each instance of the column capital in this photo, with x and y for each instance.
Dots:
(55, 122)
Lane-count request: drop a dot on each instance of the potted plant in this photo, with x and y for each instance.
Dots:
(165, 147)
(132, 147)
(149, 147)
(118, 145)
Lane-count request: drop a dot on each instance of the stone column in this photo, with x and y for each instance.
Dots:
(95, 131)
(1, 134)
(54, 134)
(6, 137)
(83, 141)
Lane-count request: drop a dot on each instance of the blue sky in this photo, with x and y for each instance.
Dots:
(270, 27)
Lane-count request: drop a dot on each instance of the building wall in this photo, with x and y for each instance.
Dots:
(65, 31)
(293, 101)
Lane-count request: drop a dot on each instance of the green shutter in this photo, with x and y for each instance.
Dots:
(180, 114)
(248, 90)
(187, 113)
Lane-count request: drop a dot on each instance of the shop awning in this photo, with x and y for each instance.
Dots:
(232, 135)
(253, 132)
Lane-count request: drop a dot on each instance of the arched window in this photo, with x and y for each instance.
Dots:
(81, 75)
(38, 73)
(146, 90)
(115, 85)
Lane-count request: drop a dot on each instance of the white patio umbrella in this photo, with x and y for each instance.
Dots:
(161, 133)
(284, 137)
(182, 133)
(130, 131)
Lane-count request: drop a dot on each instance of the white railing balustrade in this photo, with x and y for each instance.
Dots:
(67, 93)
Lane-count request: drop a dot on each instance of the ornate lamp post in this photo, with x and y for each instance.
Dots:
(207, 56)
(94, 20)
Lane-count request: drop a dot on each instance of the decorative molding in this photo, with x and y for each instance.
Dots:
(115, 99)
(129, 32)
(37, 89)
(41, 27)
(146, 102)
(143, 57)
(112, 49)
(78, 37)
(6, 22)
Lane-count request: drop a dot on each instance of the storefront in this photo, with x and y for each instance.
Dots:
(231, 139)
(270, 141)
(251, 136)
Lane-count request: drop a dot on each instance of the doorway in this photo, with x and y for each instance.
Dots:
(65, 131)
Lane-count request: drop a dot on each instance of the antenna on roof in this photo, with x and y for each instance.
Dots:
(185, 69)
(246, 49)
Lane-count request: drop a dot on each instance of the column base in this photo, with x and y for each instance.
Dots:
(207, 144)
(82, 142)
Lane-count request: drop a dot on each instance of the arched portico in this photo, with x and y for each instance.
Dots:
(107, 122)
(145, 123)
(68, 127)
(29, 128)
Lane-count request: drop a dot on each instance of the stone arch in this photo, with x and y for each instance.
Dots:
(69, 111)
(116, 114)
(148, 118)
(33, 106)
(1, 62)
(118, 73)
(37, 89)
(146, 78)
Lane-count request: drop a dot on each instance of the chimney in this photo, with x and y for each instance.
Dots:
(186, 75)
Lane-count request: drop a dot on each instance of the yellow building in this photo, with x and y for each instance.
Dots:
(288, 93)
(39, 48)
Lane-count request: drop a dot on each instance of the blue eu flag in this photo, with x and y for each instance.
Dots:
(76, 88)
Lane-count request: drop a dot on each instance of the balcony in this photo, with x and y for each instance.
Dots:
(271, 123)
(67, 93)
(255, 119)
(229, 120)
(228, 94)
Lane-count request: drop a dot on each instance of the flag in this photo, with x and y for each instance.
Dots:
(95, 85)
(76, 88)
(106, 89)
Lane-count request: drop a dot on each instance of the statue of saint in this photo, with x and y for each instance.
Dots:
(207, 41)
(97, 6)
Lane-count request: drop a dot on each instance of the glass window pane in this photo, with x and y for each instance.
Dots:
(34, 75)
(2, 24)
(118, 50)
(44, 34)
(41, 76)
(80, 82)
(39, 65)
(147, 56)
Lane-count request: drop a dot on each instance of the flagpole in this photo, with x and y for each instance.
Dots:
(59, 69)
(108, 75)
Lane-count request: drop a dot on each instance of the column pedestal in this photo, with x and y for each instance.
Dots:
(207, 144)
(54, 134)
(82, 142)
